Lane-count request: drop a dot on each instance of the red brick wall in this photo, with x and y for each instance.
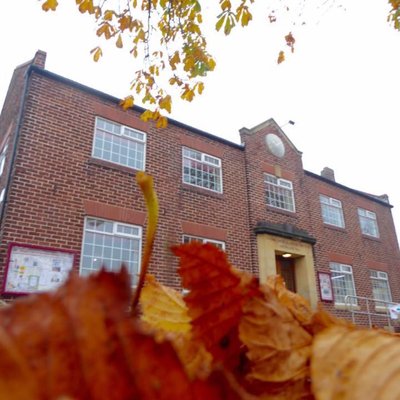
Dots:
(348, 245)
(57, 182)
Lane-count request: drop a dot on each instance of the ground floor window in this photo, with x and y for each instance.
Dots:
(343, 283)
(110, 244)
(380, 287)
(189, 238)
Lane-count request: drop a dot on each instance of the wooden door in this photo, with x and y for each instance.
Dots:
(286, 268)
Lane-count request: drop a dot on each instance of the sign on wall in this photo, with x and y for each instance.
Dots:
(325, 286)
(32, 269)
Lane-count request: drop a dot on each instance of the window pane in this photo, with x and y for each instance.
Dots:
(104, 248)
(332, 212)
(277, 195)
(126, 150)
(201, 173)
(343, 284)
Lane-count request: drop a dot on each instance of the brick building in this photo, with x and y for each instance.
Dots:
(68, 157)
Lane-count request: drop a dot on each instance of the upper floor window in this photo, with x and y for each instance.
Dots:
(343, 283)
(279, 193)
(3, 159)
(203, 170)
(368, 223)
(189, 239)
(119, 144)
(2, 193)
(110, 244)
(380, 287)
(332, 212)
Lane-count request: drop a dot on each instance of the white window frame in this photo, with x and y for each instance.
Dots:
(3, 159)
(380, 276)
(339, 271)
(115, 233)
(124, 134)
(190, 238)
(206, 160)
(280, 185)
(330, 209)
(368, 218)
(2, 194)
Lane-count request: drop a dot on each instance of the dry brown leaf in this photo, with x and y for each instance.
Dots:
(297, 305)
(217, 294)
(355, 364)
(279, 347)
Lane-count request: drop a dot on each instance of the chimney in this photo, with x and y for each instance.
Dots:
(328, 173)
(40, 59)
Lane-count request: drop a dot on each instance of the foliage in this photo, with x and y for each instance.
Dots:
(168, 36)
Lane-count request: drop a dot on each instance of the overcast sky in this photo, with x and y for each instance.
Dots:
(341, 86)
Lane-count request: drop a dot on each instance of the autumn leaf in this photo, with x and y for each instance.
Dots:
(281, 57)
(165, 103)
(164, 308)
(279, 348)
(50, 5)
(127, 102)
(217, 294)
(290, 40)
(296, 304)
(97, 53)
(350, 363)
(119, 43)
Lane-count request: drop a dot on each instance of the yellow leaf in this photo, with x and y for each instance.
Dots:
(127, 102)
(119, 42)
(175, 59)
(147, 115)
(108, 15)
(164, 308)
(246, 17)
(50, 5)
(97, 53)
(220, 22)
(281, 57)
(187, 95)
(162, 122)
(200, 87)
(165, 103)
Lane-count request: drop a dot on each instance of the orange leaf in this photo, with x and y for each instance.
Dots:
(50, 5)
(355, 364)
(281, 57)
(215, 299)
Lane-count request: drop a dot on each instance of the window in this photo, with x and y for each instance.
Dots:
(332, 212)
(2, 193)
(368, 223)
(200, 169)
(119, 144)
(279, 193)
(343, 283)
(188, 239)
(110, 244)
(3, 159)
(380, 287)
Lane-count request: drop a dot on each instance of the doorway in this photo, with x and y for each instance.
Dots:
(285, 267)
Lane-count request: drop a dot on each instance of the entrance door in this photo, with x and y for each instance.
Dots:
(285, 268)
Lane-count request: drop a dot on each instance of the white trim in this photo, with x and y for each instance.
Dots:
(124, 136)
